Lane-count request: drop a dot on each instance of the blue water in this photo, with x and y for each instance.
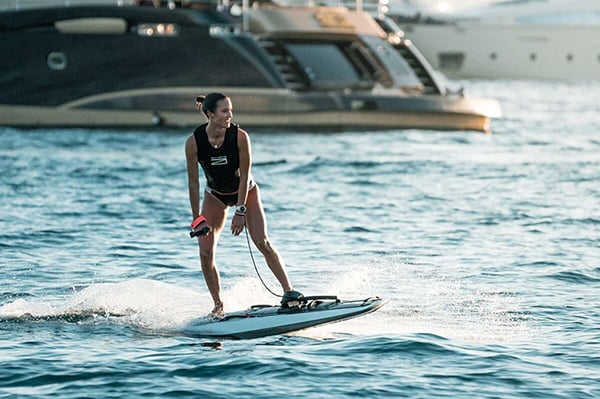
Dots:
(487, 246)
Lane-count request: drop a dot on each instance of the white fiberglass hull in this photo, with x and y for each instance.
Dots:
(509, 51)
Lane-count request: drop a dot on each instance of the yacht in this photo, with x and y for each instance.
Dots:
(519, 39)
(139, 63)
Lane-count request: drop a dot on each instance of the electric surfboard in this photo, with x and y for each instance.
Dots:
(264, 320)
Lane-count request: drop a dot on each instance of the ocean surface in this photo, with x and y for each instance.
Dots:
(487, 247)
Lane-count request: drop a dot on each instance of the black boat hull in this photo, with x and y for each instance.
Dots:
(142, 66)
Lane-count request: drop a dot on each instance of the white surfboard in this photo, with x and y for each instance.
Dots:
(265, 320)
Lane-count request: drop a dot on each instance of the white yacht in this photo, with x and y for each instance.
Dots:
(518, 39)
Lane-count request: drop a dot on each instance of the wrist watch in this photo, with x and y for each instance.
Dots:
(240, 209)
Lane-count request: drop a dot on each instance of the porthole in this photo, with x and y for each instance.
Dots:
(493, 56)
(532, 56)
(451, 60)
(569, 57)
(56, 61)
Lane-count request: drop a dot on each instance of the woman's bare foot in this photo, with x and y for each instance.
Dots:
(217, 310)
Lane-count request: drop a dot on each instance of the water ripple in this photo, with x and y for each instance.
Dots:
(487, 247)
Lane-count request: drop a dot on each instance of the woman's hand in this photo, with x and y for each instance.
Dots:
(237, 224)
(200, 227)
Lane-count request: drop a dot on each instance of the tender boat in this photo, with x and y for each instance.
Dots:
(526, 39)
(133, 63)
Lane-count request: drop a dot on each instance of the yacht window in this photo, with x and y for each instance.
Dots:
(392, 67)
(451, 61)
(362, 60)
(569, 57)
(98, 26)
(325, 65)
(588, 17)
(493, 56)
(532, 56)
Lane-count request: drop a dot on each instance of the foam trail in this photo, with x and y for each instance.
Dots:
(423, 299)
(146, 304)
(22, 308)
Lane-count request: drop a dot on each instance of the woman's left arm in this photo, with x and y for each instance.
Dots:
(239, 221)
(245, 165)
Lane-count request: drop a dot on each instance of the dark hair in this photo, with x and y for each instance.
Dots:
(209, 102)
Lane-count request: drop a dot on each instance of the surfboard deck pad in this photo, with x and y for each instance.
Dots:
(264, 320)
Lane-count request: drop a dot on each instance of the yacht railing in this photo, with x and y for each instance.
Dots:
(18, 5)
(378, 7)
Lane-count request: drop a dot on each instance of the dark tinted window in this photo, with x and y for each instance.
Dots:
(325, 65)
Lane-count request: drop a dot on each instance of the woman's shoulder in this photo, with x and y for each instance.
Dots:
(198, 133)
(192, 139)
(242, 134)
(190, 143)
(237, 129)
(200, 129)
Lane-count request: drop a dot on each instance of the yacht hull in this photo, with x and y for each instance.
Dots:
(261, 108)
(507, 51)
(295, 68)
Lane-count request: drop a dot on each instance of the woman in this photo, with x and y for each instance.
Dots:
(223, 151)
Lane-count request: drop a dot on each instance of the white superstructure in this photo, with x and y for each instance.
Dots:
(535, 39)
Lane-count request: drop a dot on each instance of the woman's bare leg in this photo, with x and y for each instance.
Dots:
(257, 227)
(215, 213)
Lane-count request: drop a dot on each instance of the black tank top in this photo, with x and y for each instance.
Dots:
(221, 164)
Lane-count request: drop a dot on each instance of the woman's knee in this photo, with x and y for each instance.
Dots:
(206, 256)
(264, 246)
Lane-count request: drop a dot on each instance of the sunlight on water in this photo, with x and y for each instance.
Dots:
(485, 246)
(426, 302)
(146, 304)
(418, 303)
(143, 303)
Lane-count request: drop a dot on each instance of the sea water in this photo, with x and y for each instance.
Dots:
(487, 247)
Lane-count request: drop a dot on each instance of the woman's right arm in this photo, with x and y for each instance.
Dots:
(191, 156)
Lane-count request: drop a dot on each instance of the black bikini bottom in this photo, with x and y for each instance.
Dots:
(226, 199)
(229, 199)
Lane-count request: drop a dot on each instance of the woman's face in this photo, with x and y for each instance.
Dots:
(223, 113)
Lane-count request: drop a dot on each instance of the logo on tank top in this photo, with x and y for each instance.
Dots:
(218, 161)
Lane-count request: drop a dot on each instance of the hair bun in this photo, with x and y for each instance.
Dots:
(209, 102)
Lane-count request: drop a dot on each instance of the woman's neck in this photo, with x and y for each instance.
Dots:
(215, 135)
(215, 131)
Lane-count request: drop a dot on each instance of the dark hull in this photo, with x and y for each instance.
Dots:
(255, 108)
(105, 70)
